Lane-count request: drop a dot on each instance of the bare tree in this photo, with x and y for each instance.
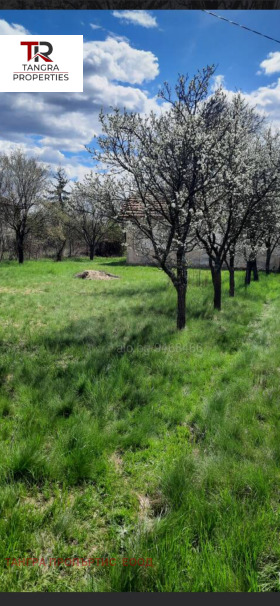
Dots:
(89, 210)
(57, 223)
(23, 185)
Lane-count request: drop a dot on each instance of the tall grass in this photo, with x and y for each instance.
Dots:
(121, 436)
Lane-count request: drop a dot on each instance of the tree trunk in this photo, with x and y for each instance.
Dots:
(20, 255)
(181, 306)
(91, 251)
(267, 261)
(59, 254)
(181, 288)
(255, 271)
(248, 273)
(20, 251)
(231, 276)
(217, 283)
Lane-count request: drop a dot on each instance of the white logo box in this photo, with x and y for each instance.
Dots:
(56, 66)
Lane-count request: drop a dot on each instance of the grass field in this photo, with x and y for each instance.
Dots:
(121, 437)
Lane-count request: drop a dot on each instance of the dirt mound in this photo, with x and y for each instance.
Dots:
(91, 274)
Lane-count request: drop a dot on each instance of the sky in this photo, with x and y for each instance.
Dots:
(127, 57)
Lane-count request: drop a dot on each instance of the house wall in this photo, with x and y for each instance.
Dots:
(196, 258)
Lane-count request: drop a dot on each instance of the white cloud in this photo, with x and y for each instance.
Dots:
(271, 64)
(50, 158)
(265, 99)
(116, 95)
(117, 60)
(94, 26)
(136, 17)
(218, 81)
(118, 37)
(11, 29)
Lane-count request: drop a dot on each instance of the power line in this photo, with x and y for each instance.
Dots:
(239, 25)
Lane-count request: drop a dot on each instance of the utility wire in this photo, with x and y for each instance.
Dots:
(239, 25)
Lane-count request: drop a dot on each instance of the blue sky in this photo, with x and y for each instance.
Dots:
(128, 54)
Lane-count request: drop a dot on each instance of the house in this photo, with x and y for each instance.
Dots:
(137, 254)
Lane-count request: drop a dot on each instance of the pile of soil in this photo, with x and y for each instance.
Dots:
(91, 274)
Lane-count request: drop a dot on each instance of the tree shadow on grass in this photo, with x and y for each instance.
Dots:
(108, 334)
(78, 260)
(126, 292)
(119, 263)
(108, 373)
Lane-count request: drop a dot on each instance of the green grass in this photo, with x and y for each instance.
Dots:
(121, 437)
